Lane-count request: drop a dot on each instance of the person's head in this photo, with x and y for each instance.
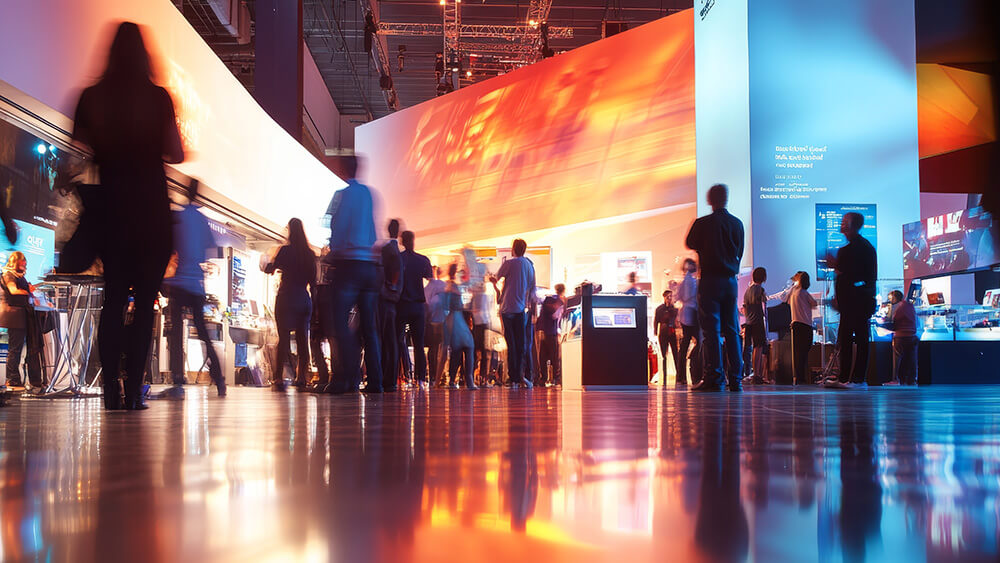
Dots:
(690, 266)
(718, 196)
(631, 278)
(759, 275)
(851, 224)
(452, 271)
(668, 297)
(802, 278)
(393, 228)
(896, 296)
(560, 289)
(296, 234)
(192, 190)
(128, 59)
(519, 247)
(17, 261)
(408, 238)
(351, 166)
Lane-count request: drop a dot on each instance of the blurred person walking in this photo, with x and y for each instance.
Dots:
(687, 296)
(293, 305)
(718, 240)
(389, 294)
(412, 311)
(186, 289)
(355, 283)
(129, 124)
(435, 328)
(457, 336)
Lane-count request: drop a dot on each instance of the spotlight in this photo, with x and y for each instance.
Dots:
(468, 73)
(442, 2)
(52, 149)
(41, 148)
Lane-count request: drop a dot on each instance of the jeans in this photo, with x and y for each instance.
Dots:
(16, 339)
(179, 300)
(412, 315)
(514, 325)
(668, 343)
(802, 341)
(434, 338)
(462, 358)
(853, 332)
(550, 352)
(479, 337)
(292, 312)
(390, 343)
(689, 334)
(718, 317)
(904, 359)
(355, 284)
(530, 365)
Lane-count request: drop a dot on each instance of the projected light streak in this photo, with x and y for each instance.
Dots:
(602, 131)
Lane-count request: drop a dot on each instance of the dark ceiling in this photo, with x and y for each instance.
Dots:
(334, 33)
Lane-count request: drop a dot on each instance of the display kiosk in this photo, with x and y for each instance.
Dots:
(607, 347)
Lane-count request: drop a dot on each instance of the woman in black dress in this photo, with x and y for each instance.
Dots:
(293, 306)
(129, 124)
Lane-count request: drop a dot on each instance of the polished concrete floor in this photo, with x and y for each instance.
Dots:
(544, 475)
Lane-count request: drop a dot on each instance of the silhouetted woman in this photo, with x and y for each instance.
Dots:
(129, 123)
(292, 306)
(457, 335)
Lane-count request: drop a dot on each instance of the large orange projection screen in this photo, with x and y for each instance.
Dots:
(601, 131)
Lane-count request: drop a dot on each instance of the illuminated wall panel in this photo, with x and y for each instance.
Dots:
(600, 132)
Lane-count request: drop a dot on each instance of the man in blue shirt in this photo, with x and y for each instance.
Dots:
(186, 289)
(355, 283)
(718, 240)
(410, 311)
(518, 293)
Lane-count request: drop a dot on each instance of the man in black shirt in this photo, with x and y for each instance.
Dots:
(857, 268)
(665, 327)
(410, 309)
(392, 287)
(718, 240)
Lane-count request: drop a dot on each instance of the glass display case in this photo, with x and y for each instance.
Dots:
(962, 323)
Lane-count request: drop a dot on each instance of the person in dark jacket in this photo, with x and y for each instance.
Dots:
(293, 305)
(129, 124)
(857, 267)
(718, 240)
(392, 288)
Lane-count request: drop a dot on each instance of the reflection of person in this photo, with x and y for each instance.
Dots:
(665, 327)
(457, 335)
(904, 340)
(14, 316)
(633, 285)
(392, 287)
(718, 240)
(802, 304)
(411, 310)
(186, 289)
(861, 491)
(720, 528)
(518, 293)
(434, 334)
(856, 267)
(687, 295)
(293, 305)
(549, 349)
(754, 309)
(355, 283)
(130, 125)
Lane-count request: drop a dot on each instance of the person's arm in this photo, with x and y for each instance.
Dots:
(173, 149)
(14, 290)
(656, 321)
(277, 263)
(740, 242)
(692, 240)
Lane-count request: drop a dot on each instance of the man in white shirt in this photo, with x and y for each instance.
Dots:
(518, 293)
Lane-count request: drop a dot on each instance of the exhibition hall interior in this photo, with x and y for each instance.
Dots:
(493, 280)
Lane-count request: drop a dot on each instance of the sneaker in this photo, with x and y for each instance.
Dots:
(834, 384)
(891, 384)
(175, 393)
(422, 385)
(861, 385)
(453, 386)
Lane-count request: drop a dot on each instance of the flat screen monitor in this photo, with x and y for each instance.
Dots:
(959, 241)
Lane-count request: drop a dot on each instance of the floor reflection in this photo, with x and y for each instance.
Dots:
(906, 474)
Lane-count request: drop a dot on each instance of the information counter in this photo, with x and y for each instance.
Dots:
(606, 346)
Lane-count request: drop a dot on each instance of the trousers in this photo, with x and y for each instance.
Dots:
(718, 317)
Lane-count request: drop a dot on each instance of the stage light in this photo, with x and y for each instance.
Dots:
(468, 73)
(52, 149)
(442, 2)
(532, 23)
(41, 148)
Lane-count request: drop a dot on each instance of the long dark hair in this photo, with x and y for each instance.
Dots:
(128, 59)
(301, 250)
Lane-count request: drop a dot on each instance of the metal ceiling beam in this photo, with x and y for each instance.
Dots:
(538, 14)
(316, 9)
(468, 31)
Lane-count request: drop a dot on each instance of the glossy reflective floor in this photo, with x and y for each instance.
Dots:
(542, 475)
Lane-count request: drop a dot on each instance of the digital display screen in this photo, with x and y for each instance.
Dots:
(829, 239)
(38, 244)
(614, 317)
(953, 242)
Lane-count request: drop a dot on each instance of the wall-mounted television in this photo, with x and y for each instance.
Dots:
(959, 241)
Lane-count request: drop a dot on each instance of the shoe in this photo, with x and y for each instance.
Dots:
(423, 385)
(862, 386)
(221, 388)
(317, 388)
(371, 390)
(705, 387)
(137, 405)
(15, 383)
(891, 384)
(300, 385)
(527, 384)
(454, 386)
(472, 387)
(834, 384)
(175, 393)
(735, 387)
(278, 386)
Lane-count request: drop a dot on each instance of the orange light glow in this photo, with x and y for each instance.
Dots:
(955, 109)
